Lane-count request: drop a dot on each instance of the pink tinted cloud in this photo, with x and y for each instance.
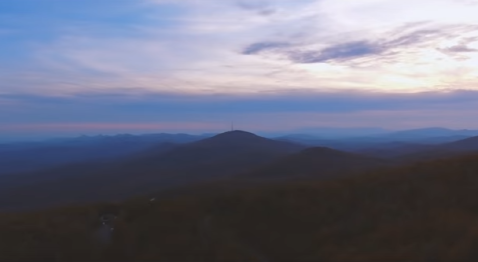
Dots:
(62, 127)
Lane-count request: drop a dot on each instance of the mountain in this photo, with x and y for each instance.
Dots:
(55, 152)
(456, 148)
(432, 132)
(464, 145)
(394, 149)
(234, 150)
(434, 135)
(231, 154)
(343, 144)
(337, 132)
(416, 138)
(420, 212)
(217, 157)
(318, 162)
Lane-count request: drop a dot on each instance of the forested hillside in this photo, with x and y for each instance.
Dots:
(422, 212)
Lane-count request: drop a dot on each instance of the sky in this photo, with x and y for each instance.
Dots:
(71, 67)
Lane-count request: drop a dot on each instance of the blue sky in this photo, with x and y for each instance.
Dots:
(108, 66)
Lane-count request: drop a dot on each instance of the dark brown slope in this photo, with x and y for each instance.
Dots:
(220, 156)
(394, 149)
(309, 164)
(465, 145)
(323, 162)
(318, 162)
(457, 148)
(423, 212)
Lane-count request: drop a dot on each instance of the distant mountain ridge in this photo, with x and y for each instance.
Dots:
(30, 156)
(385, 141)
(433, 132)
(456, 148)
(235, 154)
(216, 157)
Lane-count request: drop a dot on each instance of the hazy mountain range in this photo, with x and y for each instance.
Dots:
(385, 140)
(56, 152)
(28, 156)
(118, 167)
(237, 196)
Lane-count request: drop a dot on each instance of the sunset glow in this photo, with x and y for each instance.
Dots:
(59, 56)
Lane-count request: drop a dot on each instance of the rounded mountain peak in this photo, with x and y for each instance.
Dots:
(236, 136)
(236, 133)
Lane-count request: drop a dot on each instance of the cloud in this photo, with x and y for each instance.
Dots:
(460, 49)
(195, 46)
(394, 42)
(261, 47)
(303, 62)
(260, 7)
(111, 127)
(277, 111)
(337, 52)
(468, 2)
(151, 105)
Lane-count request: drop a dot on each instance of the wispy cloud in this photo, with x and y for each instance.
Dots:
(198, 46)
(460, 49)
(396, 42)
(337, 52)
(302, 56)
(260, 47)
(157, 108)
(260, 7)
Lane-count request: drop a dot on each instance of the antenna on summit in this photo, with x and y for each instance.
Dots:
(232, 126)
